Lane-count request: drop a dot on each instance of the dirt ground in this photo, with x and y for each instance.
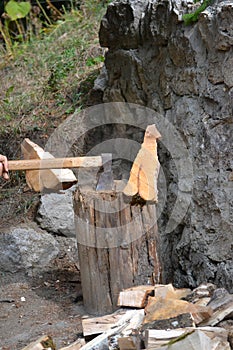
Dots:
(46, 304)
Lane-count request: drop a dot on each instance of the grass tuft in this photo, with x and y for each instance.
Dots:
(45, 80)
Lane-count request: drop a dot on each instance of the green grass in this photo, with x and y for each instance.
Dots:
(38, 81)
(47, 78)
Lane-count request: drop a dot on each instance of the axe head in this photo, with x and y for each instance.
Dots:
(105, 182)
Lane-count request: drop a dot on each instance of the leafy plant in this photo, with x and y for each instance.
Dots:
(64, 63)
(14, 11)
(52, 73)
(92, 61)
(190, 18)
(67, 55)
(8, 94)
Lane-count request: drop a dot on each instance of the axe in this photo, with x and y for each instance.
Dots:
(45, 171)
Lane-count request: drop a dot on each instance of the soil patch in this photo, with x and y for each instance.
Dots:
(46, 304)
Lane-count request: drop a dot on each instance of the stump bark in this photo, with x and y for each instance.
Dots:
(118, 246)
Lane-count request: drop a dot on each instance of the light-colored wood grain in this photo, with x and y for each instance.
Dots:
(155, 339)
(203, 338)
(222, 307)
(135, 297)
(102, 341)
(128, 343)
(180, 321)
(75, 346)
(145, 169)
(41, 344)
(98, 325)
(55, 163)
(168, 291)
(48, 178)
(159, 308)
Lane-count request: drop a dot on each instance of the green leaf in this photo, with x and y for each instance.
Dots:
(7, 117)
(16, 10)
(9, 90)
(91, 61)
(189, 18)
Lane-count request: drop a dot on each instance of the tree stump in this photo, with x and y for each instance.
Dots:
(118, 245)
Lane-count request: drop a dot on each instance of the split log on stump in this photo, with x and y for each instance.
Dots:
(145, 169)
(117, 245)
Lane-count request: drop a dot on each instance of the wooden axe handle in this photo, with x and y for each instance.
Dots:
(55, 163)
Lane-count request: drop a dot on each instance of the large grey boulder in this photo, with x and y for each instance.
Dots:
(56, 214)
(184, 73)
(24, 249)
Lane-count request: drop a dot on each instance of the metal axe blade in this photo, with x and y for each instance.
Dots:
(105, 182)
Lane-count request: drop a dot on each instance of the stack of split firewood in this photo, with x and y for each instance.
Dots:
(163, 318)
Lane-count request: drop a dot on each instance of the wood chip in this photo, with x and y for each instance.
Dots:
(180, 321)
(97, 325)
(222, 306)
(75, 346)
(135, 296)
(42, 343)
(204, 338)
(165, 308)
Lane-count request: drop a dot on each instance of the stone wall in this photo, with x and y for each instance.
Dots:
(186, 74)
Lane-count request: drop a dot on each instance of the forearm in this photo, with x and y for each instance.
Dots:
(4, 167)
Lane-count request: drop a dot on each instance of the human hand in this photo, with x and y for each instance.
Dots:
(4, 167)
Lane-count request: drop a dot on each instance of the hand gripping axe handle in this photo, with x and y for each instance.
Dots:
(105, 179)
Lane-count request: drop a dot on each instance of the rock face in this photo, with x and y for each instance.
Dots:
(25, 249)
(186, 74)
(56, 214)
